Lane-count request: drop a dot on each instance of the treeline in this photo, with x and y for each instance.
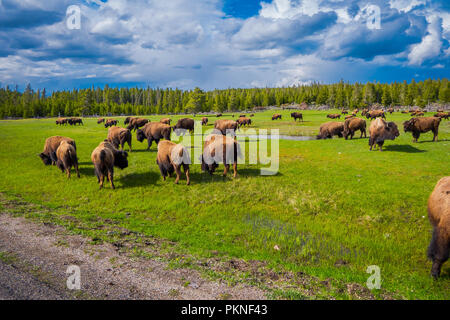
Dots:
(144, 101)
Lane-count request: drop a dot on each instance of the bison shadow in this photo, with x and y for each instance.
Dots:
(407, 148)
(205, 177)
(428, 141)
(133, 180)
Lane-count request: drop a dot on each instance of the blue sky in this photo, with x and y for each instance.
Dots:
(221, 43)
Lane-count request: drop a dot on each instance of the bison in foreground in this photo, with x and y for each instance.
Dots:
(220, 149)
(48, 156)
(154, 131)
(105, 157)
(67, 158)
(118, 136)
(422, 125)
(352, 125)
(330, 129)
(380, 130)
(439, 216)
(170, 158)
(297, 115)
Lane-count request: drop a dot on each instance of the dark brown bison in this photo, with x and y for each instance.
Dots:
(101, 120)
(48, 156)
(252, 115)
(75, 121)
(220, 149)
(242, 116)
(276, 116)
(127, 120)
(439, 216)
(105, 157)
(170, 158)
(344, 112)
(137, 123)
(330, 129)
(61, 121)
(390, 110)
(422, 125)
(380, 130)
(243, 121)
(204, 121)
(375, 114)
(226, 125)
(297, 115)
(110, 123)
(352, 125)
(218, 115)
(67, 158)
(404, 111)
(334, 116)
(166, 121)
(442, 115)
(154, 131)
(186, 124)
(440, 110)
(118, 136)
(419, 114)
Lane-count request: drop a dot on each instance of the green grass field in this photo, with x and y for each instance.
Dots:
(331, 201)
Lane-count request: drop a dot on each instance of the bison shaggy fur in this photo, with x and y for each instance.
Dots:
(118, 136)
(330, 129)
(352, 125)
(67, 158)
(48, 156)
(171, 157)
(220, 149)
(421, 125)
(154, 131)
(380, 130)
(105, 157)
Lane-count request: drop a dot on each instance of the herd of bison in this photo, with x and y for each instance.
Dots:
(61, 151)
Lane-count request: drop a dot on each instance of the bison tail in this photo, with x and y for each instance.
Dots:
(102, 156)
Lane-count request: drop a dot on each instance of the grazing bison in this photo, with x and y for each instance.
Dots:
(220, 149)
(110, 123)
(224, 125)
(170, 158)
(442, 115)
(218, 115)
(440, 110)
(439, 216)
(154, 131)
(419, 114)
(390, 110)
(404, 111)
(136, 123)
(101, 120)
(166, 121)
(118, 136)
(204, 121)
(186, 124)
(61, 121)
(344, 112)
(334, 116)
(242, 116)
(48, 156)
(297, 115)
(276, 116)
(252, 115)
(243, 121)
(67, 158)
(127, 120)
(349, 116)
(381, 130)
(352, 125)
(355, 111)
(74, 121)
(422, 125)
(330, 129)
(375, 114)
(105, 157)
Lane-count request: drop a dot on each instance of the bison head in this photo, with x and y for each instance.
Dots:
(120, 159)
(409, 125)
(140, 135)
(392, 131)
(45, 159)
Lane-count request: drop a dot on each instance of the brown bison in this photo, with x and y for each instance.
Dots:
(48, 156)
(404, 111)
(381, 130)
(118, 136)
(243, 121)
(422, 125)
(252, 115)
(154, 131)
(67, 158)
(242, 116)
(204, 121)
(334, 116)
(276, 116)
(127, 120)
(439, 216)
(61, 121)
(170, 158)
(166, 121)
(185, 124)
(297, 115)
(344, 112)
(226, 125)
(330, 129)
(136, 123)
(440, 110)
(352, 125)
(390, 110)
(105, 157)
(75, 121)
(375, 114)
(349, 116)
(220, 149)
(218, 115)
(419, 114)
(110, 123)
(101, 120)
(442, 115)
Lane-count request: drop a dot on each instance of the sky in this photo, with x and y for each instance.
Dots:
(220, 43)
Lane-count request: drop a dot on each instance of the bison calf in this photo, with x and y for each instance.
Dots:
(105, 157)
(170, 158)
(67, 158)
(439, 216)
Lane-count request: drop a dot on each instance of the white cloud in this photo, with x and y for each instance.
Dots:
(431, 44)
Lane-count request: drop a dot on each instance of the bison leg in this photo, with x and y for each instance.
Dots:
(149, 140)
(110, 178)
(438, 251)
(227, 167)
(186, 171)
(234, 169)
(68, 172)
(178, 173)
(435, 133)
(380, 144)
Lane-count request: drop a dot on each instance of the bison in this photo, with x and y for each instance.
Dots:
(344, 112)
(442, 115)
(118, 136)
(48, 156)
(352, 125)
(276, 116)
(330, 129)
(110, 123)
(170, 158)
(244, 121)
(220, 149)
(61, 121)
(218, 115)
(74, 121)
(422, 125)
(334, 116)
(154, 131)
(226, 125)
(166, 121)
(186, 124)
(67, 158)
(390, 110)
(380, 130)
(204, 121)
(127, 120)
(101, 120)
(105, 157)
(297, 115)
(375, 114)
(136, 123)
(439, 216)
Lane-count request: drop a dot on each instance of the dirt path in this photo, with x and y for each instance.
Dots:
(34, 258)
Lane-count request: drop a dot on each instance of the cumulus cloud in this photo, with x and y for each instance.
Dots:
(431, 44)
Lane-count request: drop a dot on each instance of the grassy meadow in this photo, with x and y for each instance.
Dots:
(333, 209)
